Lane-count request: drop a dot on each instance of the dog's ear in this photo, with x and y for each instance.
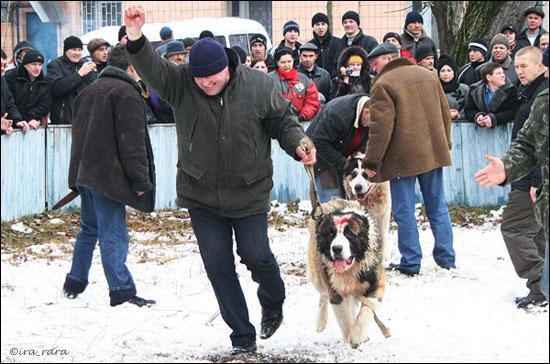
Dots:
(349, 166)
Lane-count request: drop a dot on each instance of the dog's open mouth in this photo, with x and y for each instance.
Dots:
(361, 196)
(341, 265)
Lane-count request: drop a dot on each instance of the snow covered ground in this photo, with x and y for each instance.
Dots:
(467, 315)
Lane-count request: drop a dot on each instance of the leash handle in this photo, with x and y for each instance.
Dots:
(313, 195)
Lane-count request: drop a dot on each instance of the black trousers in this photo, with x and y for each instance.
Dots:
(215, 237)
(524, 238)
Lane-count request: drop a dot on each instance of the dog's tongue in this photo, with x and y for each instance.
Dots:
(340, 264)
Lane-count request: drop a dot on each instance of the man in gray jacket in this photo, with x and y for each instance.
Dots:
(226, 115)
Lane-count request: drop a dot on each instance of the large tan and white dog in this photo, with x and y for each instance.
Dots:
(374, 197)
(345, 266)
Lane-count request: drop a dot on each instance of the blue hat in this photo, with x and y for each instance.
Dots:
(412, 17)
(289, 25)
(381, 49)
(207, 57)
(545, 57)
(174, 47)
(165, 33)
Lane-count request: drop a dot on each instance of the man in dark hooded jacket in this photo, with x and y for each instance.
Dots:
(226, 116)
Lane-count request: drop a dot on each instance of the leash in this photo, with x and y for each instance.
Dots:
(317, 211)
(385, 331)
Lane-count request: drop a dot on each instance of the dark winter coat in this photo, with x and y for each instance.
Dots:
(65, 83)
(503, 108)
(523, 41)
(467, 73)
(410, 131)
(356, 85)
(111, 152)
(412, 43)
(457, 99)
(320, 78)
(224, 141)
(32, 99)
(526, 98)
(367, 42)
(330, 48)
(332, 130)
(8, 103)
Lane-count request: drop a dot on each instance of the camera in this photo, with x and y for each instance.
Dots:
(351, 73)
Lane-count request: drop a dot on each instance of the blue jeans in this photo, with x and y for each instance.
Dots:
(104, 219)
(403, 201)
(326, 194)
(215, 237)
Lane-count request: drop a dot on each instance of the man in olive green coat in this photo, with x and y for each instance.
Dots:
(226, 116)
(528, 149)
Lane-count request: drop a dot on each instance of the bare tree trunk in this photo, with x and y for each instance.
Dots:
(459, 22)
(329, 15)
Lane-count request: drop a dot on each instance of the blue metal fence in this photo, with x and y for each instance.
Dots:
(33, 179)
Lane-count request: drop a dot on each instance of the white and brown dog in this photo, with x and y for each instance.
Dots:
(373, 197)
(345, 266)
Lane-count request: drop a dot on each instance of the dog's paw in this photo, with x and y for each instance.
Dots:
(357, 337)
(357, 343)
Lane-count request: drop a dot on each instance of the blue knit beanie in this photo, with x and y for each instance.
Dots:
(207, 57)
(413, 17)
(545, 57)
(289, 25)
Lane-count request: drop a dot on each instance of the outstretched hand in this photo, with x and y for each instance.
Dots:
(492, 175)
(134, 19)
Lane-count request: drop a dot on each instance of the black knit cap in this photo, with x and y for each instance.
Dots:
(31, 56)
(423, 52)
(351, 15)
(480, 45)
(443, 60)
(258, 38)
(71, 42)
(121, 32)
(413, 17)
(393, 35)
(319, 18)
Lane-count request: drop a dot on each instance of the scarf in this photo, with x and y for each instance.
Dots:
(287, 75)
(451, 86)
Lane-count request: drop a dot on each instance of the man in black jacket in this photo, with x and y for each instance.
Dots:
(338, 131)
(111, 167)
(530, 36)
(226, 116)
(523, 236)
(477, 50)
(329, 46)
(67, 76)
(30, 90)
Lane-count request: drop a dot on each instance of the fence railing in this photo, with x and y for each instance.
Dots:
(35, 168)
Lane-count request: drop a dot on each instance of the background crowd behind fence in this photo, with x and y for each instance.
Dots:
(32, 179)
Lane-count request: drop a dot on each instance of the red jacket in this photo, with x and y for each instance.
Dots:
(300, 91)
(406, 54)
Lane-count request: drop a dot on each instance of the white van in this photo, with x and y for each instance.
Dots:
(229, 31)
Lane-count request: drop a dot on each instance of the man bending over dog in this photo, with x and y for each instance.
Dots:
(410, 139)
(338, 131)
(226, 115)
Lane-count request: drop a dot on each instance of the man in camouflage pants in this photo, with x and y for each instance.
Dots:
(528, 149)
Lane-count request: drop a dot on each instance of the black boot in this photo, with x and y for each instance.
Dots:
(138, 301)
(72, 288)
(244, 349)
(397, 267)
(271, 320)
(531, 300)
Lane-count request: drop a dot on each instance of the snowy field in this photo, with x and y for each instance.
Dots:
(465, 315)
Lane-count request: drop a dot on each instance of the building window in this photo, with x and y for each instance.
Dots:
(97, 14)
